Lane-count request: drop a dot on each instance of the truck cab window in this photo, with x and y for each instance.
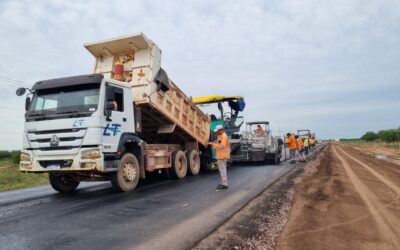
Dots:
(116, 95)
(119, 100)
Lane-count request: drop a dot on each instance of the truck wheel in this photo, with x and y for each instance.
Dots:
(127, 176)
(63, 183)
(193, 160)
(178, 169)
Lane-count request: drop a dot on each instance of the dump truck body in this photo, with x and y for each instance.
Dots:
(169, 116)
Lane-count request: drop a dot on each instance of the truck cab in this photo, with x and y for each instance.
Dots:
(77, 125)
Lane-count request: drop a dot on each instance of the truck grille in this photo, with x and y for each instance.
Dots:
(62, 163)
(65, 139)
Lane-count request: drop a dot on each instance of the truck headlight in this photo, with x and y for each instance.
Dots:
(90, 154)
(24, 157)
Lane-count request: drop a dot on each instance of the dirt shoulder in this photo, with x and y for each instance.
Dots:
(258, 224)
(344, 198)
(351, 202)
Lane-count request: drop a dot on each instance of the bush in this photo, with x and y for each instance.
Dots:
(15, 156)
(5, 154)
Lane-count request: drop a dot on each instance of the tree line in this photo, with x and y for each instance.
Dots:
(388, 135)
(13, 155)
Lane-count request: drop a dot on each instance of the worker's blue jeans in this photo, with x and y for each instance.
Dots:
(293, 154)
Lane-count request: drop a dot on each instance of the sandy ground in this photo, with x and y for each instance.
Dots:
(390, 155)
(352, 202)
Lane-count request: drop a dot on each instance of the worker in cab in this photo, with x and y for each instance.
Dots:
(259, 131)
(300, 148)
(223, 154)
(292, 145)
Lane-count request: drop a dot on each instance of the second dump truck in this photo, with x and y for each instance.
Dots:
(123, 122)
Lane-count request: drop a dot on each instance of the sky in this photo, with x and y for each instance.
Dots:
(329, 66)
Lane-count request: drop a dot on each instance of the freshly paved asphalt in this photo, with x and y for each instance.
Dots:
(160, 214)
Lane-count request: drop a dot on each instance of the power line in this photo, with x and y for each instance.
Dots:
(12, 80)
(15, 82)
(10, 84)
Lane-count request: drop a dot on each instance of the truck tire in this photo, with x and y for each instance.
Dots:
(179, 164)
(193, 162)
(127, 176)
(63, 183)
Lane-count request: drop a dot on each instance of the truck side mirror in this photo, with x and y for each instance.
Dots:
(27, 103)
(109, 107)
(280, 142)
(20, 91)
(162, 80)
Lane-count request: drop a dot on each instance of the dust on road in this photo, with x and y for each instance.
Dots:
(352, 202)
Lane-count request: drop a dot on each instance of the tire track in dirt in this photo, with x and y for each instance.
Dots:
(375, 173)
(382, 216)
(361, 213)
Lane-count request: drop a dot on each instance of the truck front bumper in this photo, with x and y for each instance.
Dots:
(64, 163)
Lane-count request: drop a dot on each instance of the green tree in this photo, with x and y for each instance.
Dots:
(370, 136)
(390, 135)
(15, 156)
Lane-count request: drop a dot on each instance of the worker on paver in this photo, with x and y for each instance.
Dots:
(291, 142)
(306, 145)
(223, 153)
(259, 131)
(300, 148)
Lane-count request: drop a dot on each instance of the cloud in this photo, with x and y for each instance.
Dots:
(300, 64)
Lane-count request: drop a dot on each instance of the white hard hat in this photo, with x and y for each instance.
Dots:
(218, 127)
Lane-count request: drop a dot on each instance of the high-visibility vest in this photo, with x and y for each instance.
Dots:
(291, 142)
(222, 147)
(300, 143)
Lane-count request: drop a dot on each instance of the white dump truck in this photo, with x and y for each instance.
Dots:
(121, 123)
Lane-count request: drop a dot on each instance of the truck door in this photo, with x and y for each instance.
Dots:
(117, 122)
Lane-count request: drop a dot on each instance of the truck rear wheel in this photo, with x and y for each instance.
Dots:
(193, 160)
(127, 176)
(178, 169)
(63, 183)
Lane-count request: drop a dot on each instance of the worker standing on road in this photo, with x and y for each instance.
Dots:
(306, 145)
(312, 142)
(259, 131)
(223, 153)
(300, 148)
(291, 142)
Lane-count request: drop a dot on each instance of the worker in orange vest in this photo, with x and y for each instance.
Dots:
(291, 142)
(259, 131)
(300, 148)
(223, 153)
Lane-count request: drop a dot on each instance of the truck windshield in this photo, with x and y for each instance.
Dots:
(72, 101)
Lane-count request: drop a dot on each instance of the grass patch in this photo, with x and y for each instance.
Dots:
(11, 178)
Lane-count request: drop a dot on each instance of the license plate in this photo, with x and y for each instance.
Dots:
(53, 167)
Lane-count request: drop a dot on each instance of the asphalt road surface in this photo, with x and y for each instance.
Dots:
(160, 214)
